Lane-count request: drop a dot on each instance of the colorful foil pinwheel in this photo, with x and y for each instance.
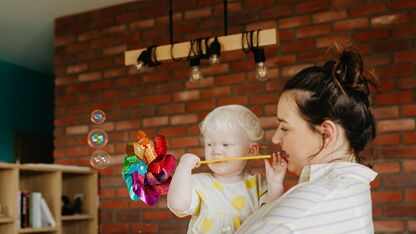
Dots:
(148, 168)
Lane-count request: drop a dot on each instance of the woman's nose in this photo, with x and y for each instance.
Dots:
(276, 139)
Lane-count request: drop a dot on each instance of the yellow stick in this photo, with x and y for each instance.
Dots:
(233, 159)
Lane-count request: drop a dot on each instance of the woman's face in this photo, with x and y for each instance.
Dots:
(294, 134)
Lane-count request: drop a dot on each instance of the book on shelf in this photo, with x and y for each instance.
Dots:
(33, 211)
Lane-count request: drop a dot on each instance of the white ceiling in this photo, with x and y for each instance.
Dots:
(27, 28)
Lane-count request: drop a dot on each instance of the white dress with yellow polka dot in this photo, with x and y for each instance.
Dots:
(220, 208)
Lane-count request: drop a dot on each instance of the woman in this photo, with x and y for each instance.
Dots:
(325, 122)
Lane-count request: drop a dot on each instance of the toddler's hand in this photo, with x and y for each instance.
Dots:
(276, 170)
(189, 161)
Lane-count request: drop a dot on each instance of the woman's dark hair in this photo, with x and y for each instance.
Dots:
(338, 91)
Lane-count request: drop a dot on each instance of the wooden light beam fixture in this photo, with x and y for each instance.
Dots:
(181, 50)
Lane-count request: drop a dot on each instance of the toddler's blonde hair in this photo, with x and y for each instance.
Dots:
(233, 116)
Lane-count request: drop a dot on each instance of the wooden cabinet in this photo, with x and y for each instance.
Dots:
(52, 181)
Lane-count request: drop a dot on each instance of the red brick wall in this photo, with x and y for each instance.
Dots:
(90, 74)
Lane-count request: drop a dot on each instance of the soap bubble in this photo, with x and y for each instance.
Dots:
(97, 117)
(97, 138)
(100, 159)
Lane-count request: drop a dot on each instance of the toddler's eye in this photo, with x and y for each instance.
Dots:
(209, 144)
(225, 145)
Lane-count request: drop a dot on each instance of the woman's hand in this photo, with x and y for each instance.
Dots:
(275, 174)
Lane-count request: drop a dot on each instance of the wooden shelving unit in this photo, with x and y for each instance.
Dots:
(52, 181)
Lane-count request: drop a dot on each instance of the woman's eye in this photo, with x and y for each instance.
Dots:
(225, 145)
(209, 144)
(283, 129)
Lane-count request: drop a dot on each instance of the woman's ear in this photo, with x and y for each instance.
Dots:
(329, 132)
(253, 148)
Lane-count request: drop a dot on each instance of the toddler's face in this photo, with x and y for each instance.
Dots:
(230, 143)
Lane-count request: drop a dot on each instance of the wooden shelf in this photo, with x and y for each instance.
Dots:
(5, 220)
(76, 217)
(37, 230)
(52, 181)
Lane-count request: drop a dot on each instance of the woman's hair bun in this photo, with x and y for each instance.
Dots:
(348, 71)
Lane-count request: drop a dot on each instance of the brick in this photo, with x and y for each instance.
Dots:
(294, 46)
(157, 215)
(76, 151)
(143, 228)
(408, 83)
(86, 36)
(76, 68)
(371, 35)
(261, 99)
(77, 47)
(172, 131)
(405, 56)
(388, 225)
(230, 79)
(409, 137)
(200, 106)
(387, 167)
(198, 13)
(206, 82)
(409, 166)
(216, 92)
(186, 95)
(242, 65)
(388, 20)
(76, 130)
(313, 31)
(89, 76)
(398, 152)
(127, 124)
(294, 22)
(215, 70)
(387, 139)
(400, 210)
(395, 181)
(387, 196)
(64, 80)
(351, 24)
(155, 121)
(409, 110)
(395, 125)
(257, 3)
(367, 9)
(129, 102)
(115, 50)
(411, 195)
(247, 88)
(184, 119)
(327, 41)
(156, 99)
(293, 70)
(394, 98)
(313, 6)
(327, 16)
(142, 24)
(242, 100)
(64, 40)
(182, 142)
(174, 108)
(340, 3)
(277, 12)
(401, 4)
(155, 77)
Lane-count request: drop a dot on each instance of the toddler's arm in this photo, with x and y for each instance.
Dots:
(180, 189)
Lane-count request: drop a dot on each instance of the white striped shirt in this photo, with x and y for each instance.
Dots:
(329, 198)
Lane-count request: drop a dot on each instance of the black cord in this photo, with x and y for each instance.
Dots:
(170, 22)
(225, 17)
